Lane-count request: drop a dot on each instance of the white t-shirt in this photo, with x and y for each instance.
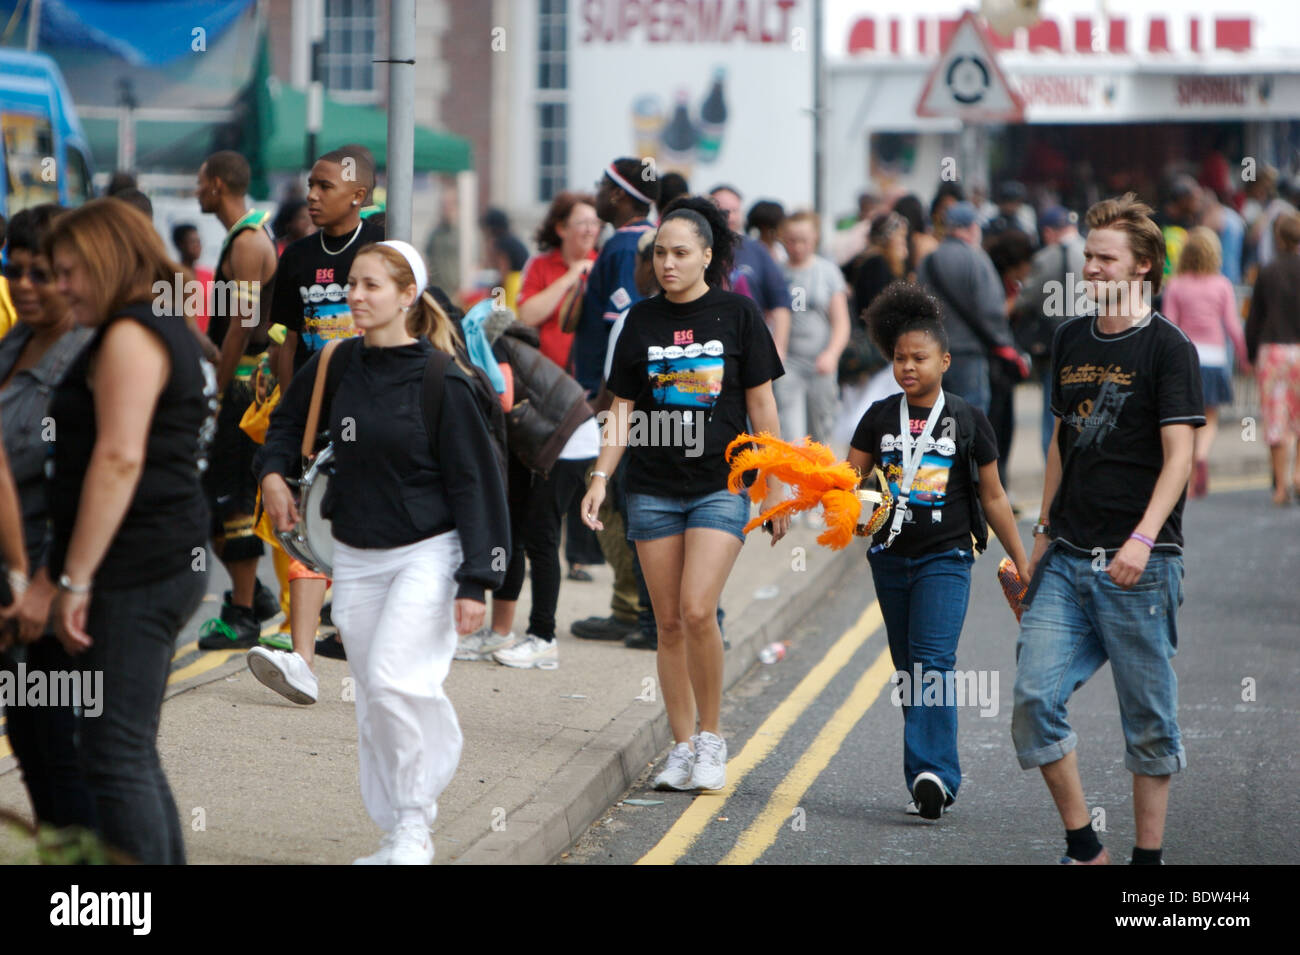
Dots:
(583, 443)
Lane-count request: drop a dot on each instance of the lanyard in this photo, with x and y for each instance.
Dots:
(912, 452)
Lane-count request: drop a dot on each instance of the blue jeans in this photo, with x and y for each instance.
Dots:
(923, 600)
(1079, 619)
(134, 631)
(968, 377)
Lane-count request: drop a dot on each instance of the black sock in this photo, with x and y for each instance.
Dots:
(1082, 844)
(1146, 856)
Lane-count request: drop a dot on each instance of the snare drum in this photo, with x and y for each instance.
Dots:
(311, 541)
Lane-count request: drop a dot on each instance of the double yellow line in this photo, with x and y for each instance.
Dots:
(755, 840)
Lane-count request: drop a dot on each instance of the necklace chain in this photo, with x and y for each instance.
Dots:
(345, 245)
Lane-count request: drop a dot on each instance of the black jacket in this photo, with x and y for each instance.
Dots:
(390, 487)
(549, 405)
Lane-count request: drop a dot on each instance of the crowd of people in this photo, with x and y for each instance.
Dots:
(464, 446)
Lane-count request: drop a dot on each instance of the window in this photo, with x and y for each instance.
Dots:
(553, 149)
(346, 67)
(552, 95)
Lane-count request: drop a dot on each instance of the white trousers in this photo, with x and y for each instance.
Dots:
(394, 611)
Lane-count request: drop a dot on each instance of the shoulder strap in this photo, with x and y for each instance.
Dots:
(317, 397)
(435, 372)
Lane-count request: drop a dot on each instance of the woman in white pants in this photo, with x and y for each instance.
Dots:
(417, 515)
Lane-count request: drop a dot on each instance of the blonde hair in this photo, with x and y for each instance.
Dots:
(426, 318)
(1202, 254)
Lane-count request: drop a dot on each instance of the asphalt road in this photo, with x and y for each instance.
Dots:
(824, 784)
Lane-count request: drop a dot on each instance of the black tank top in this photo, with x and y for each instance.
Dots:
(168, 515)
(218, 321)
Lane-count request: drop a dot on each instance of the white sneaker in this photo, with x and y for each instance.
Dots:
(531, 651)
(411, 845)
(286, 673)
(480, 644)
(710, 770)
(677, 772)
(382, 856)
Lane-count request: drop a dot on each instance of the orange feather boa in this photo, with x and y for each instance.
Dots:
(812, 474)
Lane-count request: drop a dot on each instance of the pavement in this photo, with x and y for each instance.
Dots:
(258, 779)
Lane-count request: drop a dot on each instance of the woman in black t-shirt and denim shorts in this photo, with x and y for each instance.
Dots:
(692, 369)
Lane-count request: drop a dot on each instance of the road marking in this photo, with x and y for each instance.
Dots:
(678, 840)
(1250, 483)
(758, 838)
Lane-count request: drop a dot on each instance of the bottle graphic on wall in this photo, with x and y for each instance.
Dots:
(713, 118)
(647, 125)
(679, 138)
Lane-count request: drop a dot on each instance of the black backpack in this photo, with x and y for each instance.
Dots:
(431, 392)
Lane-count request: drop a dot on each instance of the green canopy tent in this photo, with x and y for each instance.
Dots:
(275, 132)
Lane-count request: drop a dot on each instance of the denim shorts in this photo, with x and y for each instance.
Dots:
(650, 517)
(1078, 620)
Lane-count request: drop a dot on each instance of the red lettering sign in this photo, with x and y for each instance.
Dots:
(1230, 33)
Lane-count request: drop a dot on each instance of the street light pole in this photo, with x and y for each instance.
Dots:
(401, 119)
(33, 25)
(315, 90)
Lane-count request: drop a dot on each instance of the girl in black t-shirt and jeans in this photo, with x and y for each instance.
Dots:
(690, 366)
(938, 460)
(133, 415)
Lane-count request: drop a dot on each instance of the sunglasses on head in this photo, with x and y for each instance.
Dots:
(14, 272)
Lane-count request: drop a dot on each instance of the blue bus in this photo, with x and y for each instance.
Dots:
(44, 155)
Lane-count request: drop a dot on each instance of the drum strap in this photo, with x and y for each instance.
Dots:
(317, 398)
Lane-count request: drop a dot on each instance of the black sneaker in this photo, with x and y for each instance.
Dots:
(331, 647)
(929, 795)
(641, 641)
(236, 629)
(265, 604)
(604, 628)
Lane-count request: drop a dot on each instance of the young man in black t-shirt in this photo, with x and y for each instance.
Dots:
(1126, 393)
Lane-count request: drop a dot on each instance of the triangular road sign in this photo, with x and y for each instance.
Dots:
(967, 84)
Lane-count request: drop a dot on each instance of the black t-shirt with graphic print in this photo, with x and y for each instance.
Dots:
(939, 511)
(683, 365)
(310, 293)
(1125, 387)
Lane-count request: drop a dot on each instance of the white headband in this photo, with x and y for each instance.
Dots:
(413, 260)
(627, 187)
